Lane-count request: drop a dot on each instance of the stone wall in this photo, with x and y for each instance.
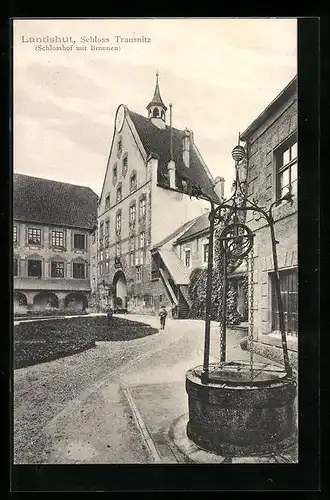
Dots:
(261, 184)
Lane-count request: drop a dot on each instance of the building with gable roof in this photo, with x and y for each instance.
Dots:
(145, 198)
(53, 245)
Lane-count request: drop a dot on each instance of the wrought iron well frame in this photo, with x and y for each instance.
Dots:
(238, 202)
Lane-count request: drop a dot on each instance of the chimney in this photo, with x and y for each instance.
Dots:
(171, 163)
(219, 187)
(186, 147)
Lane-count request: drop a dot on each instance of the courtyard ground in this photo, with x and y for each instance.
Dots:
(114, 403)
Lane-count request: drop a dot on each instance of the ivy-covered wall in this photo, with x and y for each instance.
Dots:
(198, 283)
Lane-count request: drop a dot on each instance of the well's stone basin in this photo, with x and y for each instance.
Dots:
(239, 412)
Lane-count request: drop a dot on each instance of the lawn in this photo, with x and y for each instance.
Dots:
(39, 341)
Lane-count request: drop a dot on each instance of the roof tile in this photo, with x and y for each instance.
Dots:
(157, 141)
(46, 201)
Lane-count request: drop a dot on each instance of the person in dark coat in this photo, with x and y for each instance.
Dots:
(110, 315)
(162, 315)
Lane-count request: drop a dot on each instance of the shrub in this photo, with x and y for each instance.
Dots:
(39, 341)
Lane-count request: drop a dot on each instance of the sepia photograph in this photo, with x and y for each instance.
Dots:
(155, 241)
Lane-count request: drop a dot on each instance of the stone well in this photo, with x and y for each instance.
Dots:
(239, 412)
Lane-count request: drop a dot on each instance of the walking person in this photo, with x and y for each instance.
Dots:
(110, 315)
(162, 315)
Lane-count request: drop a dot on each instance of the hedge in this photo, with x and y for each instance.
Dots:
(39, 341)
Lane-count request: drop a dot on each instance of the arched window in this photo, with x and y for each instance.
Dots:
(119, 194)
(118, 222)
(156, 113)
(125, 165)
(119, 146)
(133, 181)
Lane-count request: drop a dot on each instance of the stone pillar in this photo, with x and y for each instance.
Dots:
(23, 268)
(46, 270)
(61, 303)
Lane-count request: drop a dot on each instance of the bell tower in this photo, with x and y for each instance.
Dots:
(156, 108)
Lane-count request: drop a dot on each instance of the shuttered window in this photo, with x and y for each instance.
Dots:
(289, 294)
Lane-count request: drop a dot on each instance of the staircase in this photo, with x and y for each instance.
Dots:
(177, 293)
(182, 304)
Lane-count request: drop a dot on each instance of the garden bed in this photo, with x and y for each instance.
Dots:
(37, 342)
(47, 313)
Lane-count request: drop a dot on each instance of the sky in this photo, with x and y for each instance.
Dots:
(219, 75)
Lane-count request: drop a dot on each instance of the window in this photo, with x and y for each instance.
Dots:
(119, 146)
(187, 258)
(142, 208)
(133, 183)
(132, 243)
(107, 202)
(57, 239)
(155, 113)
(34, 268)
(286, 165)
(79, 241)
(101, 230)
(155, 264)
(205, 253)
(141, 257)
(132, 215)
(131, 259)
(106, 254)
(101, 256)
(114, 175)
(101, 268)
(119, 195)
(107, 266)
(93, 261)
(289, 294)
(15, 234)
(78, 270)
(57, 269)
(142, 239)
(107, 228)
(94, 237)
(15, 267)
(139, 273)
(118, 222)
(125, 165)
(118, 250)
(34, 236)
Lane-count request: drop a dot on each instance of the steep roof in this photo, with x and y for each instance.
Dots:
(172, 235)
(179, 272)
(201, 224)
(46, 201)
(157, 141)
